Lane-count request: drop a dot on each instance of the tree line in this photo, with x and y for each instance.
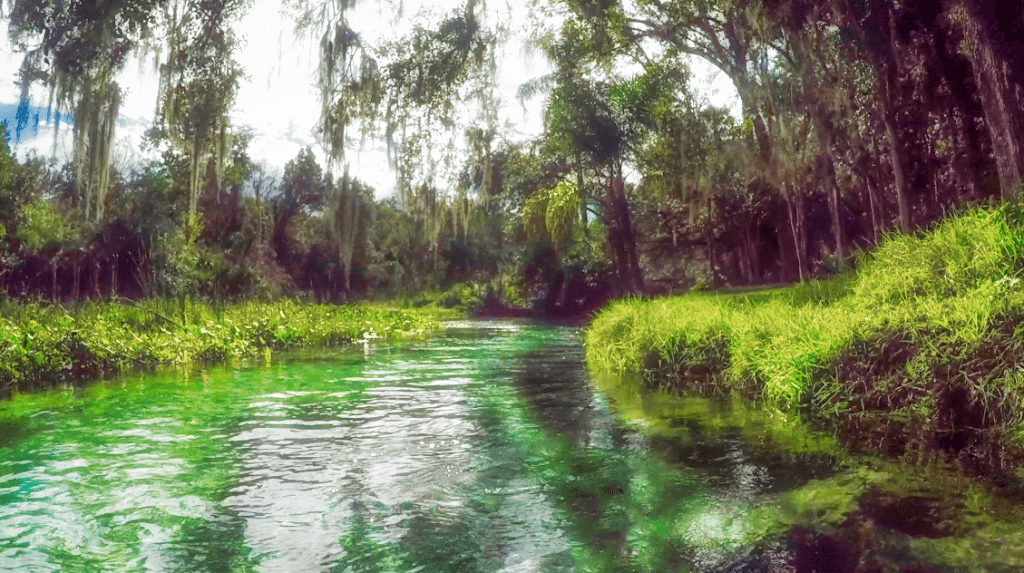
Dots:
(859, 118)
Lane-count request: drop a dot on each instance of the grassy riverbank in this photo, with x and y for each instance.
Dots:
(918, 353)
(43, 345)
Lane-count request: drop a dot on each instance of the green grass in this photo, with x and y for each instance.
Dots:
(887, 346)
(46, 344)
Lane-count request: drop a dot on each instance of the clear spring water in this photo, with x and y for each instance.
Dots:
(486, 448)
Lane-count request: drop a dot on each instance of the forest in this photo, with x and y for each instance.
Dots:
(860, 119)
(804, 317)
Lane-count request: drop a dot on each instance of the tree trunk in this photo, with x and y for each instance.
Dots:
(634, 274)
(837, 224)
(999, 75)
(618, 250)
(876, 32)
(709, 240)
(753, 252)
(795, 202)
(896, 153)
(583, 197)
(621, 240)
(743, 256)
(876, 208)
(349, 213)
(96, 278)
(278, 237)
(834, 203)
(193, 192)
(861, 168)
(745, 90)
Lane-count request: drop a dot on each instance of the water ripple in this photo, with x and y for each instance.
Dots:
(485, 449)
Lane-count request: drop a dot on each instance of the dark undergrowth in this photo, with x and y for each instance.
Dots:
(922, 396)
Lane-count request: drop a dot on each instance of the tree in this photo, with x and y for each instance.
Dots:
(262, 182)
(302, 187)
(734, 36)
(76, 50)
(597, 126)
(406, 90)
(993, 33)
(13, 198)
(198, 82)
(347, 202)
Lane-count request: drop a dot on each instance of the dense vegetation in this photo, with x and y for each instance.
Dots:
(858, 117)
(917, 353)
(46, 345)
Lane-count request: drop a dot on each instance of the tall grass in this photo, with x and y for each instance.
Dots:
(961, 255)
(951, 281)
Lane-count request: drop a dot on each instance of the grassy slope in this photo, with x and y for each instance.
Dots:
(919, 352)
(44, 345)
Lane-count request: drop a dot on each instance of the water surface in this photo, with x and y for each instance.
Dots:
(483, 449)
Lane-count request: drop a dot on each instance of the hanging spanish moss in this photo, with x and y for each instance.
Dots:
(95, 122)
(344, 206)
(198, 83)
(407, 89)
(97, 100)
(76, 52)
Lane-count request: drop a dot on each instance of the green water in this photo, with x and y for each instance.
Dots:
(484, 449)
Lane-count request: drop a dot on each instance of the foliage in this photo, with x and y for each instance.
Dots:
(42, 345)
(950, 295)
(77, 53)
(302, 184)
(552, 211)
(43, 226)
(199, 81)
(16, 188)
(850, 126)
(176, 266)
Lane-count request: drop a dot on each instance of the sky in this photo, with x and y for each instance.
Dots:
(277, 100)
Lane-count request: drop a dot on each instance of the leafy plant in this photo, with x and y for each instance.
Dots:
(41, 344)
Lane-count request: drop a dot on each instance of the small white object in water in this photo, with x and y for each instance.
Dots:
(528, 566)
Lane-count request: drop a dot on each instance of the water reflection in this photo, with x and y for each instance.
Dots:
(728, 463)
(558, 393)
(486, 449)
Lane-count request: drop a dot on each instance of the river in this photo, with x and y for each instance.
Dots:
(486, 448)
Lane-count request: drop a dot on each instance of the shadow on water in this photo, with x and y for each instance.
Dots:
(12, 432)
(214, 544)
(557, 391)
(727, 463)
(488, 449)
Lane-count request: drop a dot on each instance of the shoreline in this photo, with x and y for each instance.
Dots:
(44, 346)
(917, 355)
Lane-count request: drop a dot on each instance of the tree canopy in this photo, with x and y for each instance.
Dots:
(858, 118)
